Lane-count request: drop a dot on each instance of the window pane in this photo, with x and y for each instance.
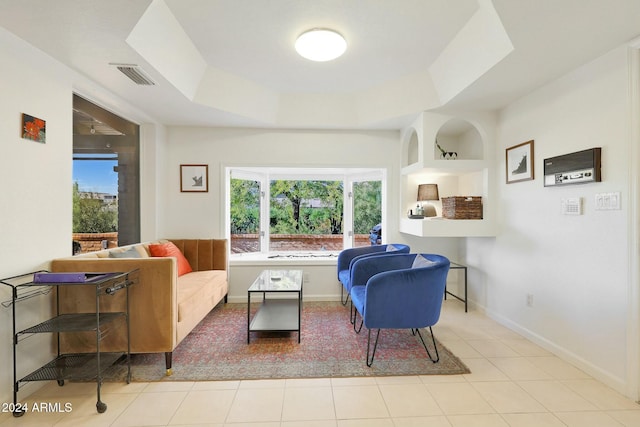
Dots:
(95, 204)
(245, 216)
(367, 212)
(306, 215)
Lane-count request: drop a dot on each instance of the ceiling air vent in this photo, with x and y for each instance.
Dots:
(135, 73)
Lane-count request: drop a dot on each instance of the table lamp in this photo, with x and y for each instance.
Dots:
(427, 192)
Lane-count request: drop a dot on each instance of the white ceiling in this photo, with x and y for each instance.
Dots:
(232, 62)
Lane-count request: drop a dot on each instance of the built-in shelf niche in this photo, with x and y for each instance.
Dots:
(461, 137)
(460, 183)
(470, 174)
(450, 183)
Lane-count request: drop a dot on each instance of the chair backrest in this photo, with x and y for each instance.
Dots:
(348, 256)
(405, 297)
(363, 268)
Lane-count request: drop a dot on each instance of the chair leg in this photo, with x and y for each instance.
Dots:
(353, 314)
(375, 345)
(343, 299)
(425, 346)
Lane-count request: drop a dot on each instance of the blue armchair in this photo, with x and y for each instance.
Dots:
(402, 291)
(347, 257)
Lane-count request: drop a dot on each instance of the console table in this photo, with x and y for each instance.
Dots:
(456, 266)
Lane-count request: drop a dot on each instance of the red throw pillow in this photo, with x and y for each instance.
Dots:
(170, 249)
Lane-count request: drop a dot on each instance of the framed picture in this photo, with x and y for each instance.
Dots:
(194, 178)
(34, 128)
(520, 162)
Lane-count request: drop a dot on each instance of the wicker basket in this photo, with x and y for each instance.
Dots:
(462, 207)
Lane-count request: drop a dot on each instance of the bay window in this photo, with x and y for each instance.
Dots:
(274, 210)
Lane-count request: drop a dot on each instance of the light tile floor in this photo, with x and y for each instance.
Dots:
(513, 382)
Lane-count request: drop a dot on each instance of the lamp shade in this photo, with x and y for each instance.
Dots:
(428, 192)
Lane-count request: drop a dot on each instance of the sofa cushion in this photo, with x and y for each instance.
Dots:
(200, 287)
(87, 255)
(145, 246)
(132, 252)
(171, 250)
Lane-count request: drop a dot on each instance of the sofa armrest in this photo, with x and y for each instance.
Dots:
(153, 300)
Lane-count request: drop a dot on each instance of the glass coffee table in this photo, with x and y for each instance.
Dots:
(277, 313)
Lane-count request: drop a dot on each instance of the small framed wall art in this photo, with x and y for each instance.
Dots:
(34, 128)
(520, 162)
(194, 178)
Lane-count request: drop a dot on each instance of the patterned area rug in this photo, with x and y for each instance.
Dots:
(217, 349)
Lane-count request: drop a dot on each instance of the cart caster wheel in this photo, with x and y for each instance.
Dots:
(101, 407)
(18, 413)
(60, 383)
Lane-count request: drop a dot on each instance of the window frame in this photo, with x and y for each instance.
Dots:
(264, 175)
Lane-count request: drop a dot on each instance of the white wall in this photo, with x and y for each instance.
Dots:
(152, 151)
(576, 267)
(198, 215)
(35, 184)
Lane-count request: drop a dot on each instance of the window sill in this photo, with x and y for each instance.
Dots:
(274, 259)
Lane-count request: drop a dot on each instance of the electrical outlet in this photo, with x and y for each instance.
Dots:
(305, 278)
(529, 300)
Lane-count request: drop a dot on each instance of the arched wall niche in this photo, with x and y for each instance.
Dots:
(461, 137)
(413, 148)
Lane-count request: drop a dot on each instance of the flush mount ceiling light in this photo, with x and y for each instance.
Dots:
(320, 45)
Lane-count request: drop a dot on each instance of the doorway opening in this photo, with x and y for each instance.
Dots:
(106, 178)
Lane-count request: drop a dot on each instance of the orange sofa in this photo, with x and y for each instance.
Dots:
(164, 308)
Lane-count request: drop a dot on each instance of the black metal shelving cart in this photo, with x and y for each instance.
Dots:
(77, 366)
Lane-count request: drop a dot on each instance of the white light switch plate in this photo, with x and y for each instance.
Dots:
(608, 201)
(614, 201)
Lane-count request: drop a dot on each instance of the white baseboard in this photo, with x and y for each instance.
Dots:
(594, 371)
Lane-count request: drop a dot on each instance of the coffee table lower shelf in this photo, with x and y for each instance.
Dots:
(276, 315)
